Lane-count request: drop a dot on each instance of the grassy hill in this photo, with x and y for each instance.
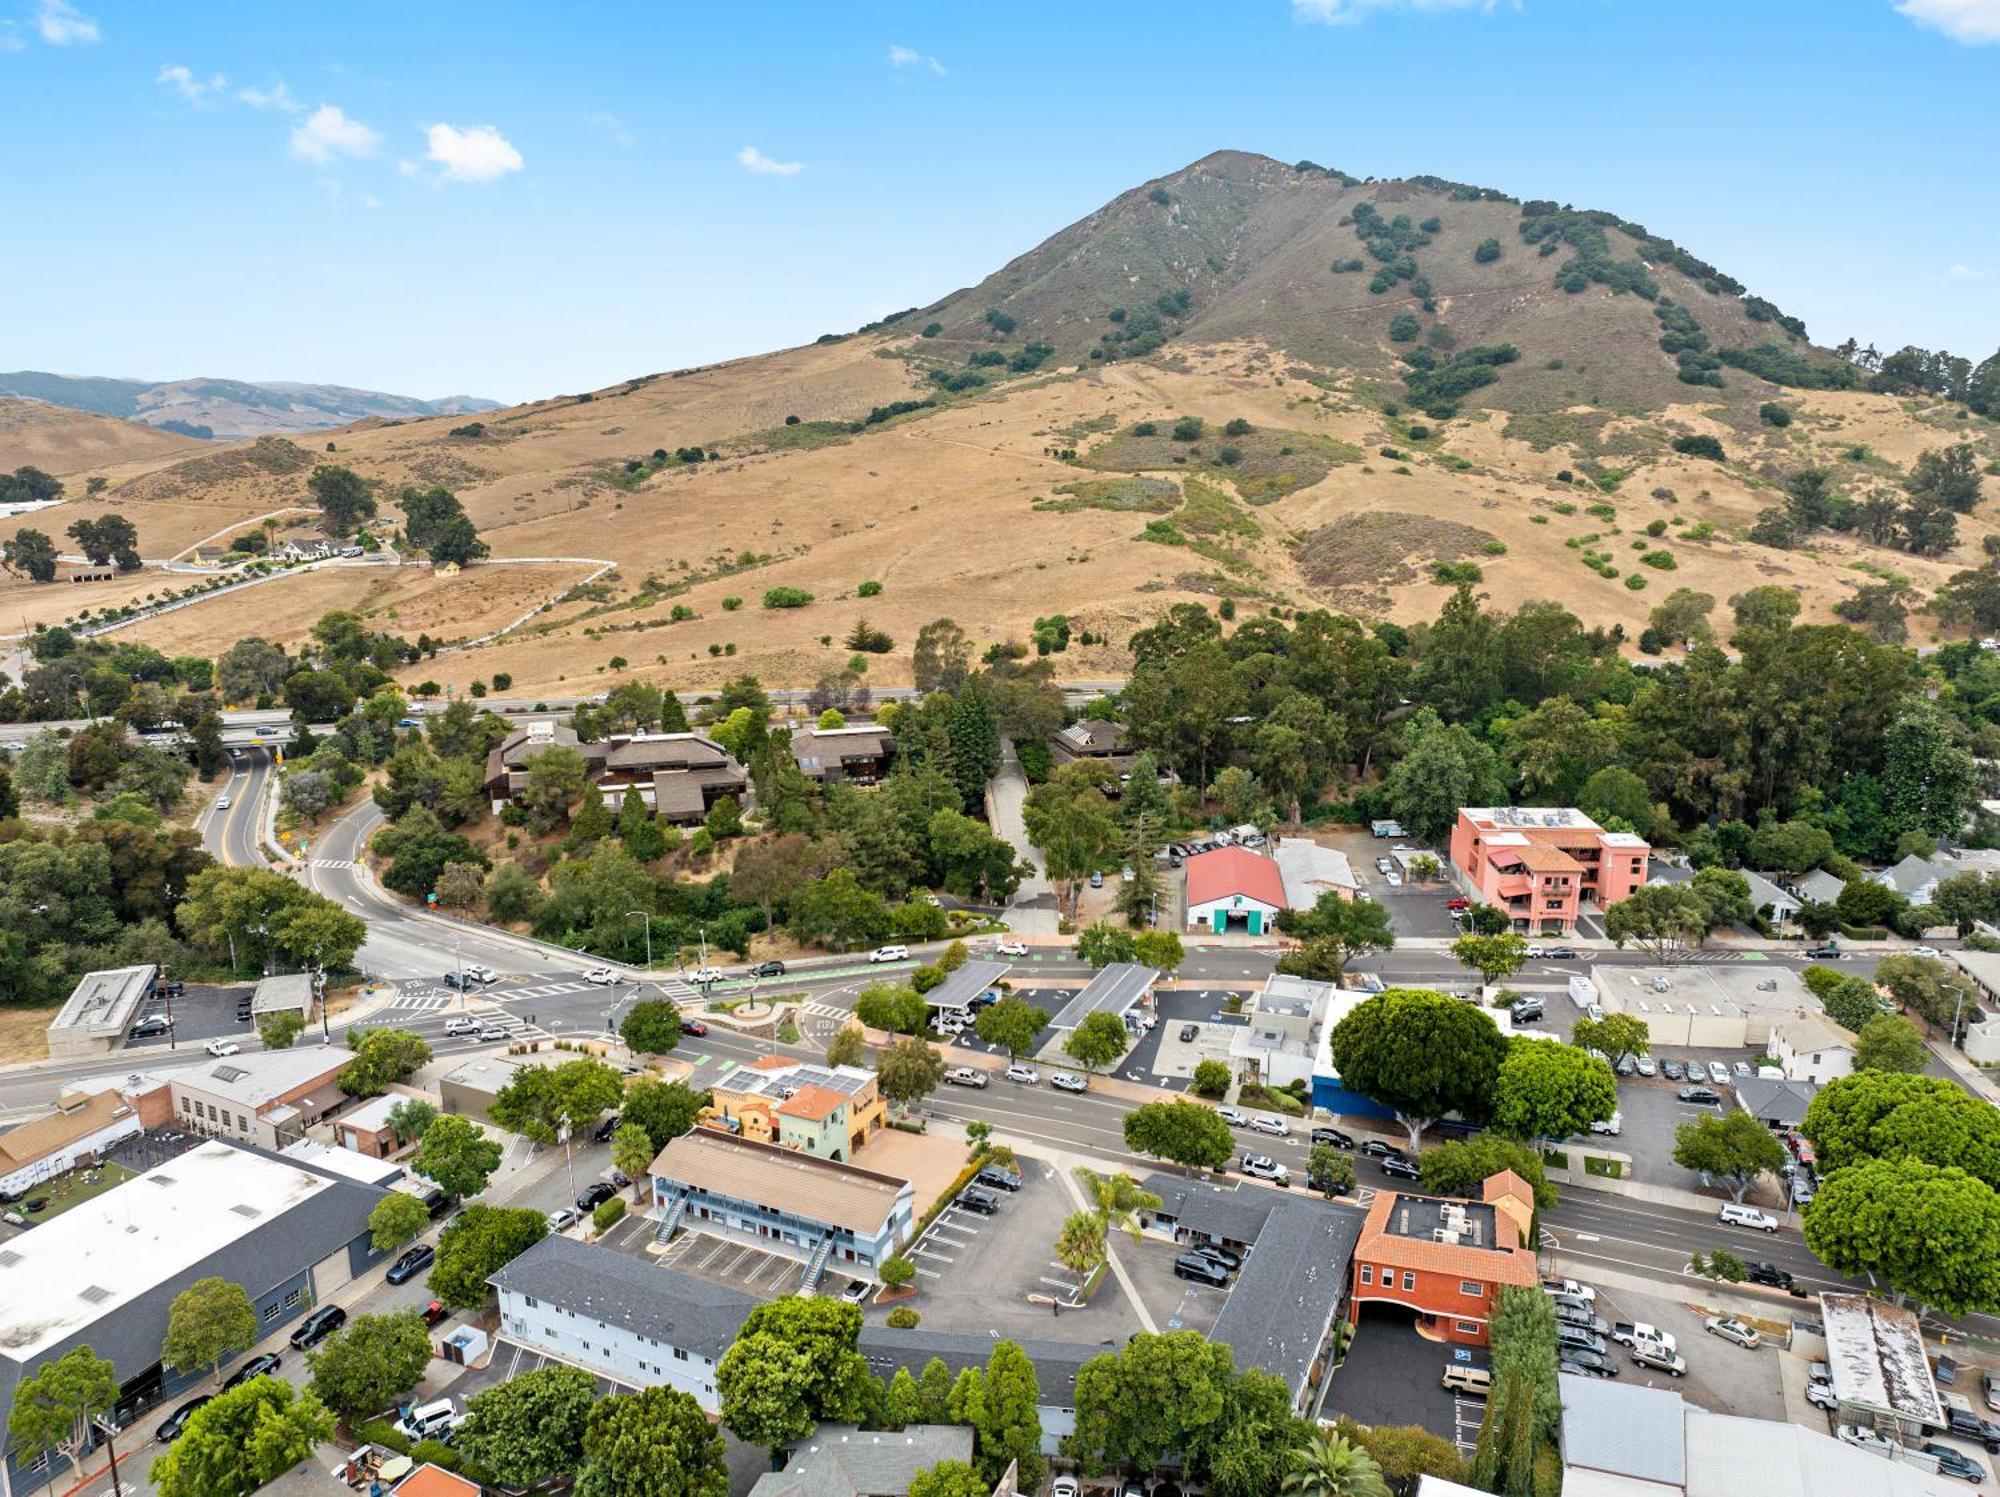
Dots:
(228, 408)
(65, 442)
(1179, 397)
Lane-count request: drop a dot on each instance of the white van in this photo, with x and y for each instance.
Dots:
(1747, 1216)
(428, 1420)
(1476, 1381)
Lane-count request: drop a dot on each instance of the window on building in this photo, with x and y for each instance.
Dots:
(1468, 1327)
(242, 1123)
(530, 1301)
(271, 1311)
(292, 1299)
(1409, 1279)
(1367, 1273)
(186, 1106)
(1471, 1289)
(679, 1355)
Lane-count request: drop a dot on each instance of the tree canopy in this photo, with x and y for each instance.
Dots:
(1421, 1053)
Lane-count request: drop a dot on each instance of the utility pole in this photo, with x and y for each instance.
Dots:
(649, 936)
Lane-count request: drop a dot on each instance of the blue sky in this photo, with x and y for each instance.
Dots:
(519, 200)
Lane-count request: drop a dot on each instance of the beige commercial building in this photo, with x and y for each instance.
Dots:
(1727, 1007)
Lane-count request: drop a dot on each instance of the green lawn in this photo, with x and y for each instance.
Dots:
(66, 1191)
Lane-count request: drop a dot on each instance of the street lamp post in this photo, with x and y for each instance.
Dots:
(110, 1431)
(649, 936)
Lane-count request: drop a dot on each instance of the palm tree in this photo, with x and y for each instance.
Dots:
(1119, 1200)
(1080, 1244)
(1329, 1466)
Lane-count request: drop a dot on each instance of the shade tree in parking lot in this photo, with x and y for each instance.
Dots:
(1884, 1115)
(1546, 1090)
(1098, 1041)
(370, 1362)
(1080, 1244)
(1461, 1167)
(908, 1070)
(457, 1156)
(656, 1442)
(208, 1323)
(1210, 1079)
(529, 1429)
(1181, 1132)
(542, 1101)
(475, 1245)
(241, 1439)
(1420, 1053)
(1734, 1147)
(1010, 1025)
(665, 1109)
(1331, 934)
(1930, 1235)
(1617, 1035)
(395, 1219)
(794, 1366)
(1492, 957)
(55, 1412)
(1071, 822)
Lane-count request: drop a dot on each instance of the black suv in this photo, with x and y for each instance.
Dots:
(1332, 1136)
(768, 969)
(1401, 1167)
(978, 1200)
(1768, 1273)
(994, 1178)
(603, 1131)
(596, 1196)
(265, 1363)
(1966, 1425)
(314, 1329)
(1202, 1270)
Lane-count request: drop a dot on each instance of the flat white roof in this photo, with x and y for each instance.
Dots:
(255, 1077)
(79, 1267)
(103, 1003)
(1740, 988)
(1875, 1352)
(1529, 816)
(364, 1169)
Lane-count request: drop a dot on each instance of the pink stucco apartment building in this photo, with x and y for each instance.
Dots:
(1543, 865)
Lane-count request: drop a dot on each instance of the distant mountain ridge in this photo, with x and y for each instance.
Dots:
(229, 409)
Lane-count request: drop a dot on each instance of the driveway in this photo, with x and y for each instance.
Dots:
(1393, 1376)
(1032, 910)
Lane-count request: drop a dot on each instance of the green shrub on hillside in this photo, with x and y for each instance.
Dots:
(1404, 327)
(1699, 446)
(1488, 251)
(786, 597)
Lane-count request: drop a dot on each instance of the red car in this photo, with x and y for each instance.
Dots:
(694, 1027)
(435, 1313)
(1458, 904)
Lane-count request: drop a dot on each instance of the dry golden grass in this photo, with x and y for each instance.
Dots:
(68, 443)
(940, 509)
(24, 1031)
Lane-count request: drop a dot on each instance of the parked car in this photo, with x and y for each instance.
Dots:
(1263, 1167)
(1729, 1328)
(151, 1025)
(694, 1027)
(1067, 1081)
(1592, 1363)
(1613, 1125)
(1276, 1127)
(1232, 1117)
(966, 1076)
(973, 1199)
(1572, 1288)
(1955, 1463)
(1821, 1396)
(1647, 1066)
(412, 1263)
(261, 1365)
(322, 1323)
(436, 1313)
(1458, 904)
(1930, 951)
(595, 1196)
(768, 969)
(1768, 1273)
(889, 954)
(603, 1131)
(1011, 948)
(1527, 1011)
(602, 976)
(1400, 1167)
(1065, 1486)
(1227, 1257)
(1673, 1070)
(1741, 1069)
(1701, 1096)
(1026, 1074)
(1989, 1384)
(1651, 1354)
(1583, 1320)
(170, 1430)
(1559, 954)
(1570, 1337)
(223, 1047)
(1379, 1148)
(995, 1178)
(1201, 1270)
(1866, 1439)
(1189, 1032)
(1332, 1136)
(1747, 1216)
(562, 1219)
(1632, 1332)
(1626, 1068)
(1718, 1073)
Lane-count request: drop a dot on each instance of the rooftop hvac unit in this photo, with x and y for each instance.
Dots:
(1444, 1235)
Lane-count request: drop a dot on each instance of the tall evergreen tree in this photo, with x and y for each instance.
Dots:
(975, 744)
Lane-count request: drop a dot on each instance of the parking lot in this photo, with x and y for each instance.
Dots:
(1175, 1304)
(202, 1012)
(1414, 909)
(976, 1272)
(726, 1260)
(1392, 1376)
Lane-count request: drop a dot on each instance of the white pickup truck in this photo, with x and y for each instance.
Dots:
(966, 1076)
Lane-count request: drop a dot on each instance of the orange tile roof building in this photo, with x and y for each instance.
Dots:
(1544, 865)
(829, 1111)
(1445, 1259)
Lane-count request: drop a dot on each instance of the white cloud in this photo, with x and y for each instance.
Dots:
(613, 128)
(1970, 21)
(277, 96)
(372, 203)
(10, 38)
(910, 57)
(1964, 272)
(756, 161)
(327, 132)
(477, 153)
(63, 25)
(183, 82)
(1351, 12)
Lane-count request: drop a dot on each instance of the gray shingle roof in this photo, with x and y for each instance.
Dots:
(618, 1289)
(843, 1461)
(1784, 1100)
(1289, 1286)
(1056, 1362)
(1234, 1215)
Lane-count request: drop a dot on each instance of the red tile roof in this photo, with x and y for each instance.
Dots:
(1234, 870)
(813, 1103)
(1506, 1262)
